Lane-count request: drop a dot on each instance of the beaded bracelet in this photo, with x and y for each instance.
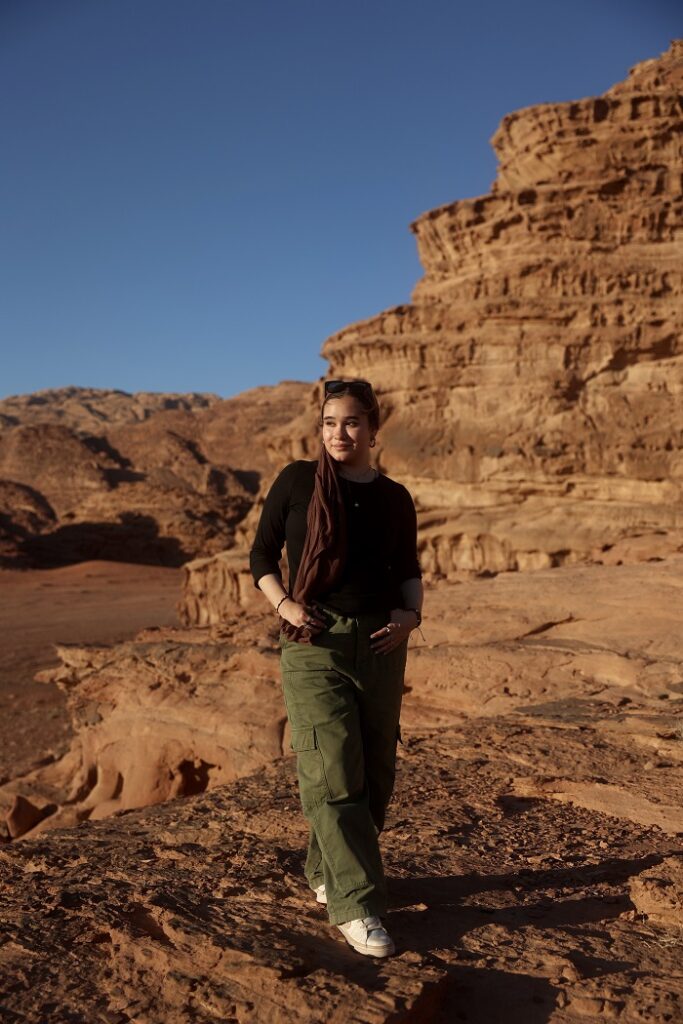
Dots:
(280, 602)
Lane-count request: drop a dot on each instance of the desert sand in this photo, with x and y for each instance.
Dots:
(92, 602)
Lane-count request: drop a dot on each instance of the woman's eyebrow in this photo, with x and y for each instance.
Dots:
(341, 417)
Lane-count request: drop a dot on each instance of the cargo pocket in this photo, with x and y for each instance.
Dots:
(303, 739)
(309, 766)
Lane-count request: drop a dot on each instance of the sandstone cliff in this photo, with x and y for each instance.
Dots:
(534, 383)
(532, 390)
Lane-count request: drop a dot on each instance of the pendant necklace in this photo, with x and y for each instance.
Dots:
(349, 492)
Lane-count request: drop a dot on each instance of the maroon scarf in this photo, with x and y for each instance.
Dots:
(324, 553)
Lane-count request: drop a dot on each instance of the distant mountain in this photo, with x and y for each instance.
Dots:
(86, 409)
(89, 473)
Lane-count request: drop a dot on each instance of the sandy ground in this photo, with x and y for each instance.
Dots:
(94, 602)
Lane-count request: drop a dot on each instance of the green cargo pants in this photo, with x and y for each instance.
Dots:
(343, 702)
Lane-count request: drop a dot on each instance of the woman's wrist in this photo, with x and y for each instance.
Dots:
(284, 598)
(418, 616)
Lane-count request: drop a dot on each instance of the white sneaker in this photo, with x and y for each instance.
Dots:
(367, 935)
(320, 894)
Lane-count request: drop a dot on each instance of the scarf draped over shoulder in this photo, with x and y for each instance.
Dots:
(325, 546)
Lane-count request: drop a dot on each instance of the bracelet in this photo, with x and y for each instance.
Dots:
(280, 602)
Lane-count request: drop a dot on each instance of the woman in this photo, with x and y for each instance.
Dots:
(355, 596)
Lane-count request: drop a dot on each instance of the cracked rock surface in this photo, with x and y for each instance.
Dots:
(534, 846)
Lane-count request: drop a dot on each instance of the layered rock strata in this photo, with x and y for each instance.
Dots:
(532, 389)
(534, 383)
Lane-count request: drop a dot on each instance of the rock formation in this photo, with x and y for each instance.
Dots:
(85, 410)
(534, 384)
(167, 715)
(532, 389)
(140, 478)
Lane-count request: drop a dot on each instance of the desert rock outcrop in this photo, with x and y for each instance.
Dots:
(156, 479)
(588, 655)
(532, 389)
(85, 410)
(534, 383)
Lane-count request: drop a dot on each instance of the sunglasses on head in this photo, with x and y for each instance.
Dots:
(360, 388)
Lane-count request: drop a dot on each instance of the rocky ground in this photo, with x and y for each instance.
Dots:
(534, 847)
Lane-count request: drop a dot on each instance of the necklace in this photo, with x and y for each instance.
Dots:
(350, 494)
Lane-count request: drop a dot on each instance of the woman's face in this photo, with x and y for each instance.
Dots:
(346, 433)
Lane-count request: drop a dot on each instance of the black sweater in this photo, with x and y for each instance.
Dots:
(382, 538)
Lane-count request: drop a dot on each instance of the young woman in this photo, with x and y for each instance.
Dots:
(355, 595)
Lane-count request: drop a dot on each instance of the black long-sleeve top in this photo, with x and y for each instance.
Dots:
(382, 538)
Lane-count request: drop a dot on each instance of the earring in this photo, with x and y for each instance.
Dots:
(372, 442)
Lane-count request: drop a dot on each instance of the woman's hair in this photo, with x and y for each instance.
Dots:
(366, 397)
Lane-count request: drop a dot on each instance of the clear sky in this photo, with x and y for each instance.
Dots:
(196, 193)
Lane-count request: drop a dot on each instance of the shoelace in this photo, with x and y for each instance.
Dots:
(372, 922)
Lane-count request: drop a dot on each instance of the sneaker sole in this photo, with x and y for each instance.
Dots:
(378, 951)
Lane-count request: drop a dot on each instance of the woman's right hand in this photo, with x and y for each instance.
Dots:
(303, 615)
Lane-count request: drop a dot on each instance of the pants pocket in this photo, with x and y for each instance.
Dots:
(310, 769)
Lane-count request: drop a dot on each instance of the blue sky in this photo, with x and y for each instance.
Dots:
(196, 193)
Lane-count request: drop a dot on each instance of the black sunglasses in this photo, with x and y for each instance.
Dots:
(360, 388)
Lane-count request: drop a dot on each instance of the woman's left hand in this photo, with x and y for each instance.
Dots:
(398, 629)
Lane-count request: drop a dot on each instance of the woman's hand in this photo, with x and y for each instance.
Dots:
(402, 623)
(303, 615)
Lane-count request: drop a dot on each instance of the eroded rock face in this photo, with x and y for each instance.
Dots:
(531, 391)
(534, 384)
(24, 512)
(170, 714)
(144, 478)
(532, 388)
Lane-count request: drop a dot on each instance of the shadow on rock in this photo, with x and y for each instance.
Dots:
(134, 538)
